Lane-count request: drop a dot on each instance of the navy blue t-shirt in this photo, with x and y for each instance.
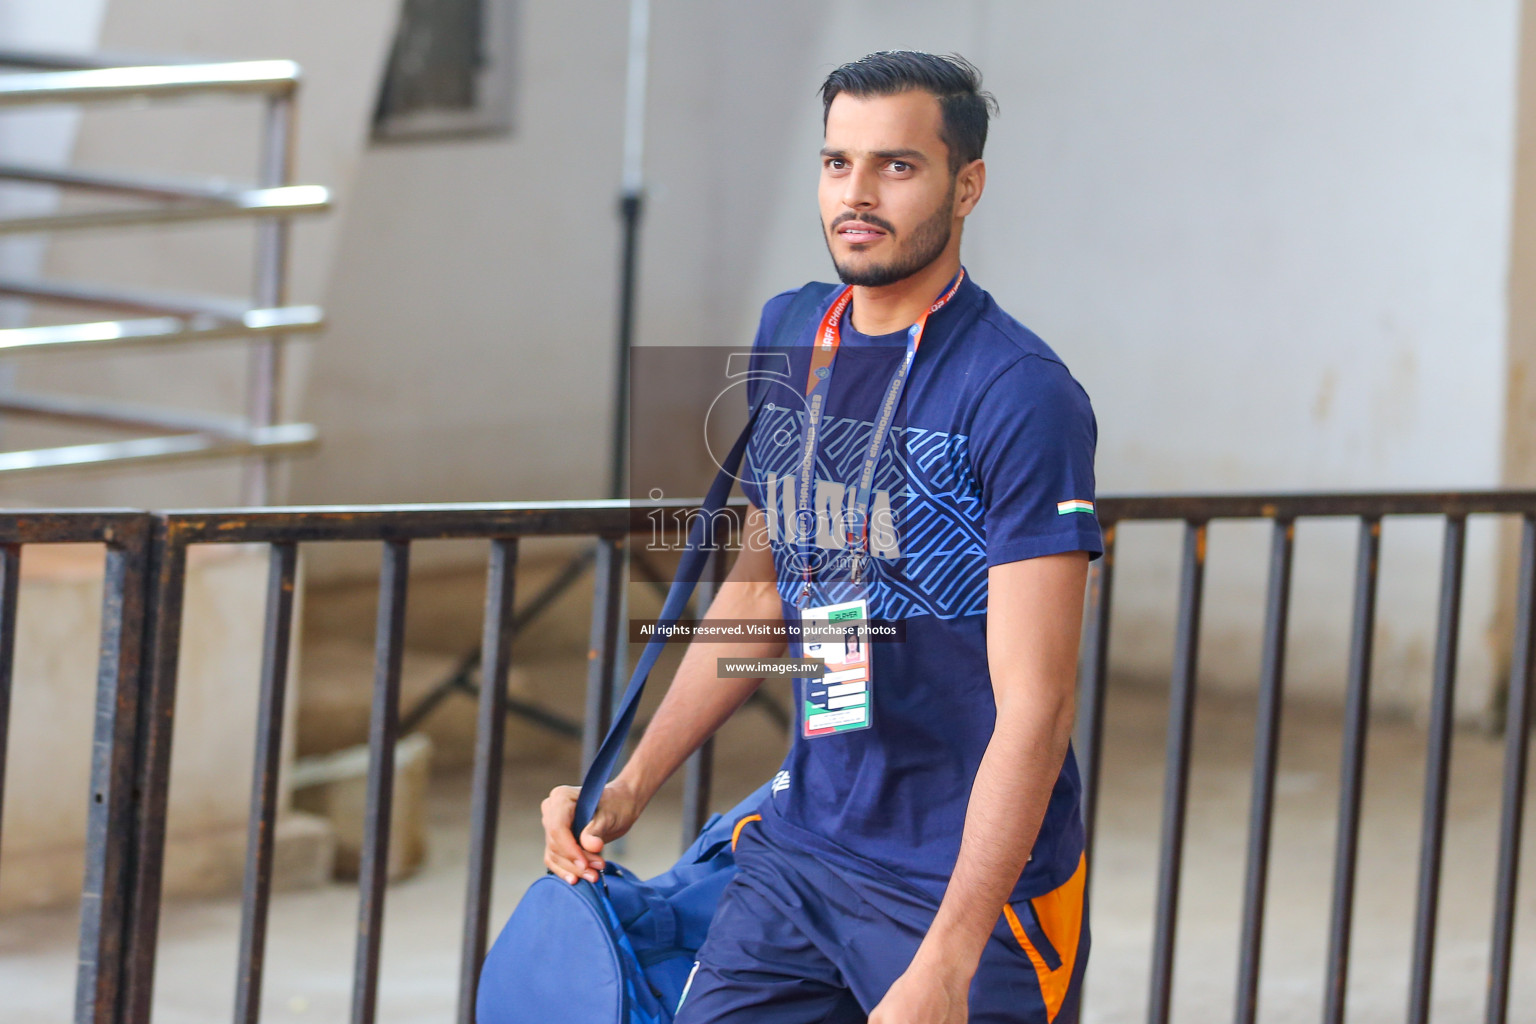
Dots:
(990, 461)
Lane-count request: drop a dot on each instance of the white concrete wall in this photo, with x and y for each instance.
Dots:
(1271, 241)
(340, 44)
(1520, 401)
(472, 296)
(38, 135)
(47, 783)
(1272, 244)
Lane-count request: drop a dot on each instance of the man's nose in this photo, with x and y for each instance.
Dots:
(859, 191)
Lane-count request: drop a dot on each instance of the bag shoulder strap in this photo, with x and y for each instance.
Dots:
(807, 302)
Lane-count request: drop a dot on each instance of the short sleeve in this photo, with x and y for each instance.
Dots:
(767, 324)
(758, 379)
(1032, 440)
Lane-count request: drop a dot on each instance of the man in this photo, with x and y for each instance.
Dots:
(921, 858)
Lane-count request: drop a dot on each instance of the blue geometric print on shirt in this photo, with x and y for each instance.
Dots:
(935, 501)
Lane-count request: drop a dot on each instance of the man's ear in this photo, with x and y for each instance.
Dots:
(969, 184)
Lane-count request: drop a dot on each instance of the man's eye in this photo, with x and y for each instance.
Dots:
(899, 167)
(835, 164)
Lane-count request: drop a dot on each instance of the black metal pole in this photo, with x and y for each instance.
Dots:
(1266, 762)
(1437, 771)
(1357, 712)
(631, 204)
(1181, 729)
(1517, 739)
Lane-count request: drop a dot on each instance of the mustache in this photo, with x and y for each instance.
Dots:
(862, 218)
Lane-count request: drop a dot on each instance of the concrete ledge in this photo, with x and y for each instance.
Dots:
(197, 864)
(53, 715)
(335, 786)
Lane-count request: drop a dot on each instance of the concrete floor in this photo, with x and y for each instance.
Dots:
(312, 934)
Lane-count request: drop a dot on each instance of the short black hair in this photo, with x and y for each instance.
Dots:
(949, 77)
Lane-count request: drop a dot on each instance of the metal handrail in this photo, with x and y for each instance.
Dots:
(282, 439)
(135, 300)
(145, 588)
(284, 201)
(262, 322)
(1300, 504)
(94, 85)
(34, 60)
(144, 186)
(129, 415)
(618, 516)
(152, 332)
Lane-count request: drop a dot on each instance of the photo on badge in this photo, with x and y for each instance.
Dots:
(839, 701)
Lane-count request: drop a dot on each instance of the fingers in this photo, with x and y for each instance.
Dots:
(562, 855)
(592, 840)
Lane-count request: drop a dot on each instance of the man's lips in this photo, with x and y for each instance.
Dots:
(856, 232)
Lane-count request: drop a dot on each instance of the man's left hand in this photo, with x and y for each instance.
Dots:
(924, 997)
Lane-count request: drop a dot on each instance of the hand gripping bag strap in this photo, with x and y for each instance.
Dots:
(690, 566)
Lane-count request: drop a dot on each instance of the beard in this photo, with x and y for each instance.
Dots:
(926, 244)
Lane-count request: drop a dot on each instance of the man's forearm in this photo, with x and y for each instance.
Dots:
(1012, 788)
(698, 702)
(1034, 618)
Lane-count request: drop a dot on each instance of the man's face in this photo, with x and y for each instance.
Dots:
(887, 195)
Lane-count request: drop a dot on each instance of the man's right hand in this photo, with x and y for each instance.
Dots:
(616, 813)
(697, 703)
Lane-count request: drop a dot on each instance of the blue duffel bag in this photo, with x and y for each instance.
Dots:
(620, 951)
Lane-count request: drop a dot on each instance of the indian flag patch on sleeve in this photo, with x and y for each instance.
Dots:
(1075, 505)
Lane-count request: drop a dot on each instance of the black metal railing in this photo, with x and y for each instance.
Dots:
(1196, 513)
(111, 802)
(136, 696)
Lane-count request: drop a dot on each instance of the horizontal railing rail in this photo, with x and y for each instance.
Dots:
(283, 439)
(233, 203)
(1368, 509)
(155, 332)
(146, 565)
(35, 60)
(126, 201)
(157, 81)
(111, 801)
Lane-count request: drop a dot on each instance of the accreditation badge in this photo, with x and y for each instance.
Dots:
(840, 700)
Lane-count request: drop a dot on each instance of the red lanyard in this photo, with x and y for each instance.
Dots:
(828, 338)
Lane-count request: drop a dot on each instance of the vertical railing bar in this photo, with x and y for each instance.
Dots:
(698, 770)
(1357, 712)
(275, 167)
(109, 820)
(1437, 771)
(10, 567)
(1101, 578)
(152, 768)
(602, 651)
(1266, 757)
(490, 739)
(383, 733)
(1517, 734)
(698, 786)
(1092, 692)
(277, 640)
(1181, 715)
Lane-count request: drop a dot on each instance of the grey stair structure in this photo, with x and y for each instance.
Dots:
(143, 319)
